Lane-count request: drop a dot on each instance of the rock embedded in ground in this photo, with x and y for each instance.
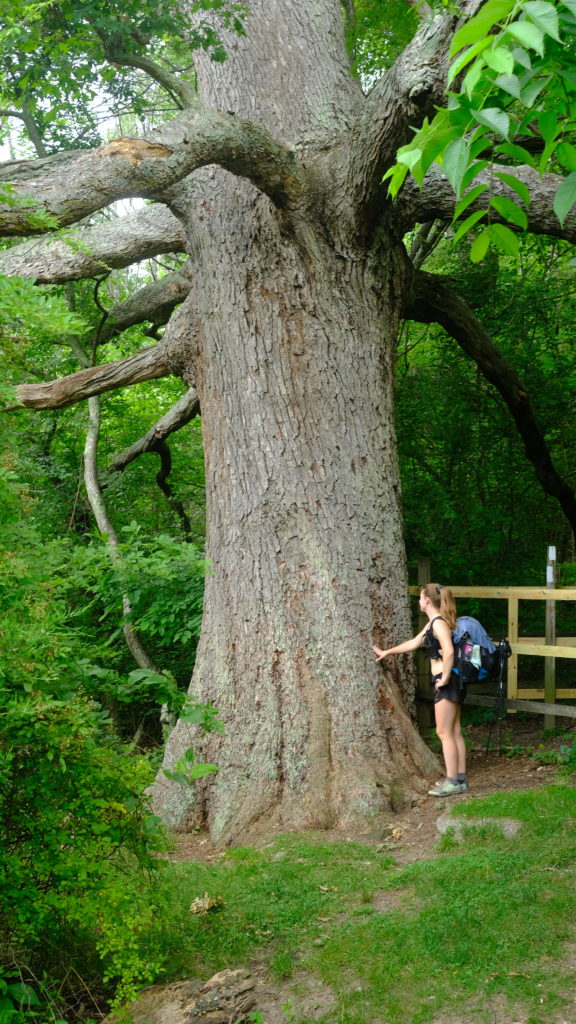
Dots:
(459, 826)
(227, 996)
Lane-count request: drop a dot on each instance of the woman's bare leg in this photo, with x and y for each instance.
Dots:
(460, 744)
(447, 714)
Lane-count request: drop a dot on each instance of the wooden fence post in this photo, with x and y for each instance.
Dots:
(550, 663)
(513, 639)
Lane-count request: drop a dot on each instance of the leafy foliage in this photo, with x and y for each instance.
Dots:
(470, 497)
(376, 32)
(516, 105)
(27, 311)
(58, 59)
(164, 580)
(74, 817)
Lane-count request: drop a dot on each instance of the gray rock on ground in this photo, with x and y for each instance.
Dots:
(226, 998)
(459, 826)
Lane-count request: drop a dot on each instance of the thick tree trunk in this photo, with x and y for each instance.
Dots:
(305, 543)
(294, 371)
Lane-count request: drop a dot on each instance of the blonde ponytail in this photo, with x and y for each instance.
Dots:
(442, 599)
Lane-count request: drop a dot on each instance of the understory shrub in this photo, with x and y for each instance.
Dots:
(77, 844)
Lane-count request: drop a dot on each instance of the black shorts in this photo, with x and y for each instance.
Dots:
(453, 690)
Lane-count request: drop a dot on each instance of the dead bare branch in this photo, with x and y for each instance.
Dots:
(148, 364)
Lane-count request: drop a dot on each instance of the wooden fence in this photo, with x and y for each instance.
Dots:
(560, 647)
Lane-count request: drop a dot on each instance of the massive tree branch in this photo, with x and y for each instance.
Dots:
(433, 302)
(149, 364)
(147, 168)
(184, 410)
(15, 171)
(402, 98)
(437, 200)
(153, 303)
(91, 251)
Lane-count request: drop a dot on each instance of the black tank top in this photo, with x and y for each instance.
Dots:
(430, 642)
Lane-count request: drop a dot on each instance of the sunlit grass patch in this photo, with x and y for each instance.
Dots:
(485, 921)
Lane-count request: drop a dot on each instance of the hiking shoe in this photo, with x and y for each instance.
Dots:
(463, 787)
(445, 788)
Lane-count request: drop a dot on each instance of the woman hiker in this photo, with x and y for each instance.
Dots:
(438, 605)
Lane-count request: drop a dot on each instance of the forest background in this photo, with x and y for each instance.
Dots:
(82, 728)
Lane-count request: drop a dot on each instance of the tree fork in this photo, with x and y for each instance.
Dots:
(184, 410)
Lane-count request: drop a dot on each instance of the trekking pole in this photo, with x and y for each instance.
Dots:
(504, 652)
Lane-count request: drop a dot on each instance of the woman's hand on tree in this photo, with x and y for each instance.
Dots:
(379, 653)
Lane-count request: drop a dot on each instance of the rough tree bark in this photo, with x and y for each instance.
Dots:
(294, 371)
(298, 281)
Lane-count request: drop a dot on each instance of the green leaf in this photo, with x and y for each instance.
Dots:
(528, 34)
(565, 197)
(545, 156)
(544, 15)
(530, 92)
(568, 76)
(460, 63)
(510, 84)
(468, 224)
(480, 246)
(467, 200)
(455, 161)
(495, 119)
(510, 211)
(519, 187)
(522, 57)
(198, 771)
(397, 175)
(548, 124)
(7, 1010)
(516, 152)
(472, 171)
(472, 78)
(409, 157)
(479, 26)
(479, 141)
(500, 59)
(505, 239)
(23, 993)
(566, 154)
(437, 141)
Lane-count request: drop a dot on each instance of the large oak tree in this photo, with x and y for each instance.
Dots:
(284, 329)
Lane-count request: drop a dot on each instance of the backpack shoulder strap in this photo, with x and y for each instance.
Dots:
(435, 619)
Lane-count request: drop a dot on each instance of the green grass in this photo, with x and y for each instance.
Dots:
(481, 926)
